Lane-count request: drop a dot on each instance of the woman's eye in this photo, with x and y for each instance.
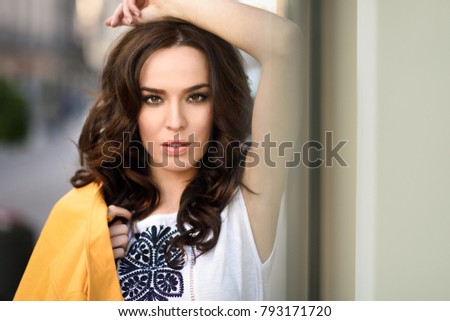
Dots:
(153, 100)
(197, 98)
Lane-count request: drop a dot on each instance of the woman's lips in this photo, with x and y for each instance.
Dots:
(175, 148)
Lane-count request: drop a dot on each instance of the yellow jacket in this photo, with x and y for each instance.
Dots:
(73, 258)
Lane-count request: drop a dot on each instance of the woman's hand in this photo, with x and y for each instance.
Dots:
(136, 11)
(118, 230)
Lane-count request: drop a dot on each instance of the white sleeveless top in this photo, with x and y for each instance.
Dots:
(232, 270)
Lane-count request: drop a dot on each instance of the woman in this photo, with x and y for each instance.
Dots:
(164, 147)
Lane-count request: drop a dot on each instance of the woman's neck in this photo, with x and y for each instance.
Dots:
(171, 185)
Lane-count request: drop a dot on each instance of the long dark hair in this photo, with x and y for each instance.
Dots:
(125, 177)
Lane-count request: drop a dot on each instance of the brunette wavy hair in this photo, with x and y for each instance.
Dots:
(126, 181)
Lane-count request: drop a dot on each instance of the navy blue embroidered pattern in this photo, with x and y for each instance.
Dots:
(144, 273)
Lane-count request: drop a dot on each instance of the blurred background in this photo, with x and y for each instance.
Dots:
(51, 57)
(378, 74)
(51, 52)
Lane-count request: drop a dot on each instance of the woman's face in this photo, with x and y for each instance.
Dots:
(175, 120)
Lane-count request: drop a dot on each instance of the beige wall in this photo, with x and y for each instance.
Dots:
(413, 135)
(338, 110)
(295, 218)
(386, 218)
(297, 198)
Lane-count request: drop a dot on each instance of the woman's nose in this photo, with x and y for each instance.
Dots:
(175, 118)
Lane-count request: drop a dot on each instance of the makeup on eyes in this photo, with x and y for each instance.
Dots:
(148, 92)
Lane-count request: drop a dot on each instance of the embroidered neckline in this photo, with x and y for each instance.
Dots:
(144, 273)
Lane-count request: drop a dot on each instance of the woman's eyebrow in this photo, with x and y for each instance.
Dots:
(153, 90)
(196, 87)
(162, 91)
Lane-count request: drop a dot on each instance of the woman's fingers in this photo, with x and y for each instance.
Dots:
(118, 253)
(133, 7)
(126, 11)
(116, 19)
(118, 229)
(123, 15)
(116, 211)
(130, 12)
(119, 241)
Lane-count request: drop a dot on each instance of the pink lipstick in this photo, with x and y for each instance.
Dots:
(174, 148)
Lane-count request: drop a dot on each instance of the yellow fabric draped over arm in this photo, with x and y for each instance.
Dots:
(73, 258)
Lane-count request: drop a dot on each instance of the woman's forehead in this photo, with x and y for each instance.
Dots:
(175, 66)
